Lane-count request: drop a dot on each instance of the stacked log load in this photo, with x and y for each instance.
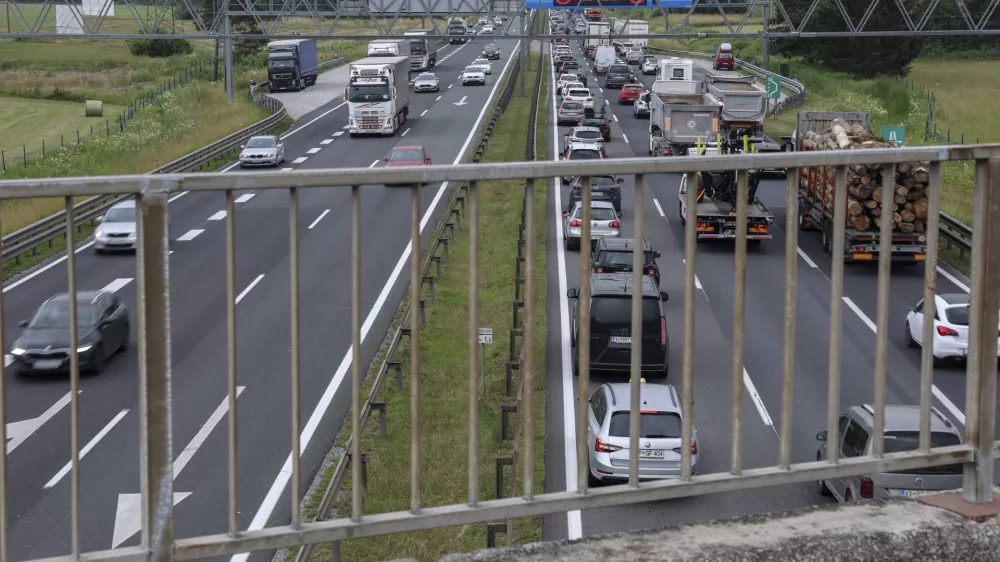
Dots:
(865, 208)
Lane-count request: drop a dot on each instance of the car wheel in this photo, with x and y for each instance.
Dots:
(125, 341)
(97, 363)
(908, 337)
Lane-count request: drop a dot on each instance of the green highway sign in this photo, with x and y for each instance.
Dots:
(895, 135)
(773, 87)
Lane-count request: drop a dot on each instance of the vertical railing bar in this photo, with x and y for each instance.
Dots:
(739, 312)
(687, 374)
(583, 339)
(836, 312)
(4, 524)
(930, 290)
(474, 373)
(638, 263)
(140, 315)
(415, 349)
(231, 377)
(293, 247)
(528, 344)
(74, 379)
(356, 375)
(791, 277)
(882, 308)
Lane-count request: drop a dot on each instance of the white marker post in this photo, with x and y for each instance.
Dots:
(485, 337)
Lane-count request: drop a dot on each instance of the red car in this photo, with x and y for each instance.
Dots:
(629, 93)
(591, 49)
(405, 157)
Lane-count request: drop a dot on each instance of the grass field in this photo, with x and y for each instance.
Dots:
(444, 376)
(32, 121)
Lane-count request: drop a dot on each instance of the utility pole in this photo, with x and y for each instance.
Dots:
(525, 55)
(228, 64)
(765, 48)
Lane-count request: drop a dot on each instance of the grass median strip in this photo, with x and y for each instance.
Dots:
(444, 378)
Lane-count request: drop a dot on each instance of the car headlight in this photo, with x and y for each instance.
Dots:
(84, 348)
(18, 351)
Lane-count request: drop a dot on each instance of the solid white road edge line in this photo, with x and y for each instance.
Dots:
(319, 218)
(226, 169)
(86, 449)
(574, 521)
(948, 404)
(285, 473)
(953, 279)
(322, 115)
(252, 284)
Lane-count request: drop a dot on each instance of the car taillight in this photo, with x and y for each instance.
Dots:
(574, 140)
(576, 188)
(575, 223)
(590, 99)
(694, 448)
(614, 224)
(663, 334)
(867, 487)
(605, 447)
(945, 331)
(561, 112)
(567, 98)
(599, 270)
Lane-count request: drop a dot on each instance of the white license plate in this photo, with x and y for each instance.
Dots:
(621, 339)
(916, 493)
(48, 364)
(657, 454)
(729, 233)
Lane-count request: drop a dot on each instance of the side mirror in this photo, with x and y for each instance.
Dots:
(243, 146)
(386, 159)
(100, 218)
(427, 161)
(656, 253)
(23, 323)
(664, 296)
(821, 436)
(572, 293)
(621, 180)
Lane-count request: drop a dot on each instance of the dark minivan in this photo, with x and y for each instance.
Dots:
(619, 75)
(611, 325)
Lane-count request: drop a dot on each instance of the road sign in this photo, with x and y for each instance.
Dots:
(571, 4)
(485, 335)
(895, 135)
(773, 85)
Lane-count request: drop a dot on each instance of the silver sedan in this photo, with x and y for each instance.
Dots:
(265, 150)
(426, 82)
(604, 222)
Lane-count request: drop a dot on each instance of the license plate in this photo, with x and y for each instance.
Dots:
(657, 454)
(916, 493)
(621, 339)
(729, 233)
(48, 364)
(597, 194)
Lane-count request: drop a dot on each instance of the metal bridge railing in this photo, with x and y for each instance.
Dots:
(155, 377)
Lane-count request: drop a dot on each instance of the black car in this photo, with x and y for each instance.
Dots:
(600, 121)
(491, 51)
(602, 188)
(102, 330)
(615, 255)
(611, 325)
(619, 74)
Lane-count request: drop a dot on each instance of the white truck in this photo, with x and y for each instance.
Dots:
(378, 95)
(630, 29)
(680, 115)
(423, 49)
(389, 48)
(600, 28)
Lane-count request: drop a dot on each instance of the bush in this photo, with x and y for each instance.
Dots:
(159, 48)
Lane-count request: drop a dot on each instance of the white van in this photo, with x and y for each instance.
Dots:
(604, 57)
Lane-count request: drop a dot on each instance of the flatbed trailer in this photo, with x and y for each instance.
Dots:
(717, 219)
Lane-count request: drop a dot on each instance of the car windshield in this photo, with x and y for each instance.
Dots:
(622, 258)
(585, 155)
(661, 425)
(725, 56)
(587, 134)
(902, 441)
(426, 77)
(480, 62)
(957, 315)
(579, 93)
(569, 77)
(55, 315)
(618, 69)
(597, 213)
(120, 214)
(261, 143)
(633, 88)
(473, 69)
(614, 313)
(281, 63)
(418, 47)
(492, 47)
(406, 155)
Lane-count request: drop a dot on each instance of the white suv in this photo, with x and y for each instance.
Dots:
(581, 95)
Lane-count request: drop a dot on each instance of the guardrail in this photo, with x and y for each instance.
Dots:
(798, 89)
(445, 232)
(50, 228)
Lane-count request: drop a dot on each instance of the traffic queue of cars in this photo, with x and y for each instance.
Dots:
(611, 338)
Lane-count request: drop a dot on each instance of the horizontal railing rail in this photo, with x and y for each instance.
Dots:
(975, 451)
(798, 88)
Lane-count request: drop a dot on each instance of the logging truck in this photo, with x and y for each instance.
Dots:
(865, 207)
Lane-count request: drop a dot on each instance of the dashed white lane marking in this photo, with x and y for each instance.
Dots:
(616, 119)
(117, 285)
(300, 160)
(424, 112)
(346, 127)
(954, 280)
(697, 283)
(325, 142)
(245, 197)
(758, 402)
(850, 304)
(313, 150)
(375, 163)
(252, 284)
(659, 209)
(86, 449)
(176, 197)
(319, 218)
(805, 257)
(218, 216)
(190, 235)
(338, 133)
(450, 85)
(623, 136)
(438, 98)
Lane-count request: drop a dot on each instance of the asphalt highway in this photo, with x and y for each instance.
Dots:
(38, 414)
(713, 344)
